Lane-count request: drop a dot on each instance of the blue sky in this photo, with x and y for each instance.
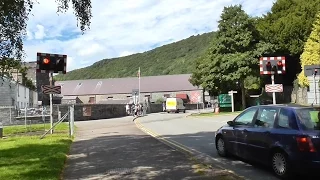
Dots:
(124, 27)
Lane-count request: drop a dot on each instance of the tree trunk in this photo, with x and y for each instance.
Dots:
(243, 95)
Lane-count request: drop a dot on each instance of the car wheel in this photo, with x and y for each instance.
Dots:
(220, 146)
(280, 164)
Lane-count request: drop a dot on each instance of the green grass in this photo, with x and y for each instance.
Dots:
(20, 129)
(214, 114)
(29, 158)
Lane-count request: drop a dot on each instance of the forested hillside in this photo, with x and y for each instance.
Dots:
(175, 58)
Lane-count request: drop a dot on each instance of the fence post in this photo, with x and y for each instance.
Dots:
(25, 117)
(71, 120)
(10, 115)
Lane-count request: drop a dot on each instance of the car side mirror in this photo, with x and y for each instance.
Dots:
(230, 123)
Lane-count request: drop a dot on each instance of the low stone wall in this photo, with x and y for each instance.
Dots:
(82, 112)
(7, 115)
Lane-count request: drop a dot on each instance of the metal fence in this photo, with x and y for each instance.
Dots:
(29, 117)
(34, 119)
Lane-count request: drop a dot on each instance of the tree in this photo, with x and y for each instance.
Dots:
(311, 53)
(288, 26)
(13, 21)
(233, 56)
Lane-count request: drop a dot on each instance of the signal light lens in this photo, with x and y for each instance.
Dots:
(46, 61)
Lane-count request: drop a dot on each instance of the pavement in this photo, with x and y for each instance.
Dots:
(117, 149)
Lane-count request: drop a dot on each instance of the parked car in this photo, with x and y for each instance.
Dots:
(286, 137)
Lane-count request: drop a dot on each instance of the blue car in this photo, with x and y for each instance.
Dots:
(285, 137)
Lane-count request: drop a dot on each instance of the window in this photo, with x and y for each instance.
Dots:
(285, 118)
(25, 92)
(246, 117)
(91, 100)
(266, 117)
(309, 118)
(166, 95)
(146, 95)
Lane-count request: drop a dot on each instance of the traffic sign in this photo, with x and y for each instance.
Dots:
(274, 87)
(232, 92)
(47, 89)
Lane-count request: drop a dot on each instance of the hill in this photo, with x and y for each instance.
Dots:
(174, 58)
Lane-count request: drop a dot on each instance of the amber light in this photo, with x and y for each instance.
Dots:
(46, 61)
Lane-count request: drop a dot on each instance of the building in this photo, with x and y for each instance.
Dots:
(154, 88)
(15, 94)
(31, 72)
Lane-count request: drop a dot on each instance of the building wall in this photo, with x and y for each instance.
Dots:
(26, 97)
(31, 73)
(23, 99)
(153, 96)
(7, 93)
(17, 95)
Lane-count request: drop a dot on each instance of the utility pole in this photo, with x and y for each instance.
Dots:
(315, 85)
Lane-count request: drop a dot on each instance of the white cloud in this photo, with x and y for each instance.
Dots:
(121, 27)
(40, 33)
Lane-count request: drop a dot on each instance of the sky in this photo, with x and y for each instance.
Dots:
(123, 27)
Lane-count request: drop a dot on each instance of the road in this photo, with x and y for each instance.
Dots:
(111, 149)
(198, 133)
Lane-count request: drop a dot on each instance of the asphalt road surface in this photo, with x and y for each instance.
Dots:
(198, 133)
(113, 149)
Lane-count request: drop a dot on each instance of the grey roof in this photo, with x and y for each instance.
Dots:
(167, 83)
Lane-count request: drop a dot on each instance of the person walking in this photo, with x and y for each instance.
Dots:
(127, 109)
(163, 107)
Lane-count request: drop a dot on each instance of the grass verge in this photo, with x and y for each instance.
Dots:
(214, 114)
(35, 128)
(28, 158)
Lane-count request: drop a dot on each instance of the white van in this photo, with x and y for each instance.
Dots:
(175, 105)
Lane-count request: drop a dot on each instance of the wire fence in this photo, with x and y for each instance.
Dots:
(29, 119)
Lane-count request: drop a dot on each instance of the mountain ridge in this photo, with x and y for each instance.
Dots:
(174, 58)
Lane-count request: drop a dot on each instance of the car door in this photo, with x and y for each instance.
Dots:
(241, 124)
(259, 136)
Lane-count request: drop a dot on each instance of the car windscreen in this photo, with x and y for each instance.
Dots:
(309, 118)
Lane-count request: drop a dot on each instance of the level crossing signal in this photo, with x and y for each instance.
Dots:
(51, 63)
(272, 65)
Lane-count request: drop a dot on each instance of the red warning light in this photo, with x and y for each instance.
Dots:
(46, 61)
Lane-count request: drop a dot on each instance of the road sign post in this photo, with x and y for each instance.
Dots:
(51, 63)
(272, 66)
(51, 108)
(232, 99)
(273, 93)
